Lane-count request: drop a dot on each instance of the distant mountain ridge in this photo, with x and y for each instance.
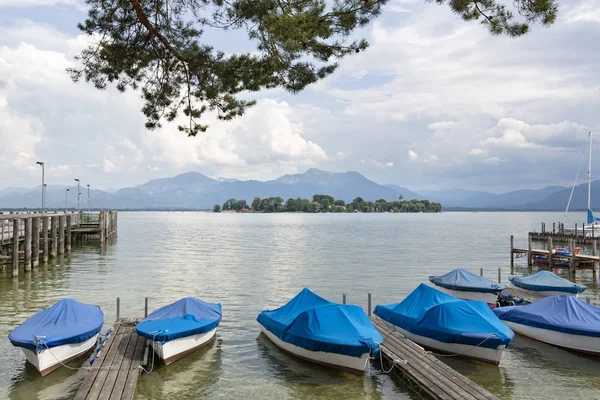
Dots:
(193, 190)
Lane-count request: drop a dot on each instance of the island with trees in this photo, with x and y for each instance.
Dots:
(324, 203)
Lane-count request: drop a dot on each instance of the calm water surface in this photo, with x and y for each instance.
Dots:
(250, 262)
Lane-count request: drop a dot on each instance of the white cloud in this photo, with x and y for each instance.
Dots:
(42, 3)
(412, 155)
(476, 152)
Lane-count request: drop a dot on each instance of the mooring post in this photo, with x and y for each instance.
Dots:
(529, 256)
(343, 298)
(369, 303)
(35, 245)
(576, 229)
(68, 234)
(102, 226)
(594, 253)
(480, 271)
(53, 236)
(61, 234)
(145, 307)
(15, 248)
(550, 252)
(27, 244)
(118, 307)
(554, 227)
(543, 227)
(45, 237)
(499, 275)
(573, 260)
(512, 250)
(587, 299)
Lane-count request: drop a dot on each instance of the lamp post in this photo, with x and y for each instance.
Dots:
(43, 187)
(67, 200)
(88, 185)
(78, 196)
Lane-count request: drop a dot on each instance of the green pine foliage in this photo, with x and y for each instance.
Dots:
(157, 47)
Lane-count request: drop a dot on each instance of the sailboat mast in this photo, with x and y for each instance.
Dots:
(590, 173)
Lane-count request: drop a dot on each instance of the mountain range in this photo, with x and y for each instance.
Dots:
(193, 190)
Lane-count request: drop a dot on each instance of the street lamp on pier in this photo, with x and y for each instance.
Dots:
(43, 187)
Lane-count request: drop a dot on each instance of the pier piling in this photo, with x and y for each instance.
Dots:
(550, 252)
(35, 245)
(480, 271)
(512, 253)
(68, 237)
(27, 244)
(53, 236)
(343, 298)
(369, 303)
(61, 234)
(529, 257)
(145, 307)
(15, 249)
(45, 238)
(118, 307)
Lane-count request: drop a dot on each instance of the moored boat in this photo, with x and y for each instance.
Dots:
(180, 328)
(466, 285)
(57, 335)
(563, 321)
(317, 330)
(441, 322)
(545, 283)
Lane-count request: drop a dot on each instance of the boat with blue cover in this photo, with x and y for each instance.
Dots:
(313, 328)
(468, 286)
(441, 322)
(52, 337)
(180, 328)
(546, 283)
(563, 321)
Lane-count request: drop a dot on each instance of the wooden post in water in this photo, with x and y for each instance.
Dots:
(35, 245)
(145, 307)
(576, 229)
(369, 303)
(61, 234)
(45, 238)
(118, 307)
(543, 228)
(343, 298)
(102, 225)
(573, 260)
(550, 252)
(554, 227)
(529, 256)
(594, 253)
(15, 248)
(53, 236)
(68, 235)
(512, 250)
(27, 244)
(499, 275)
(480, 271)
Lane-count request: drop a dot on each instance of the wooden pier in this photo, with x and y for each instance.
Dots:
(423, 371)
(114, 373)
(27, 238)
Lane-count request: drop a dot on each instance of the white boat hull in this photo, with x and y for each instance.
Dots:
(584, 344)
(175, 349)
(355, 365)
(47, 360)
(545, 293)
(484, 354)
(489, 298)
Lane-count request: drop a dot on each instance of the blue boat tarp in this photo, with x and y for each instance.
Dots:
(314, 323)
(461, 279)
(546, 281)
(186, 317)
(66, 322)
(430, 313)
(557, 313)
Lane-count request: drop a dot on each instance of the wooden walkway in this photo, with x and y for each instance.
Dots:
(425, 373)
(115, 372)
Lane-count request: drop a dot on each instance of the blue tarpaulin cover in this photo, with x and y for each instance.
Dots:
(313, 323)
(68, 321)
(430, 313)
(557, 313)
(461, 279)
(186, 317)
(546, 281)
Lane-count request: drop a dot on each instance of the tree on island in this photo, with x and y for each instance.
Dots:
(158, 48)
(217, 208)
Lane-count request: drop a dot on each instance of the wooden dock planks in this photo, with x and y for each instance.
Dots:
(115, 372)
(425, 372)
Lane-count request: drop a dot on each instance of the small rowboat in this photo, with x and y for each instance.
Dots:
(180, 328)
(441, 322)
(52, 337)
(563, 321)
(317, 330)
(466, 285)
(545, 283)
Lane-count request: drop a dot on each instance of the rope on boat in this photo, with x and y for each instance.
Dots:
(393, 362)
(40, 339)
(574, 183)
(463, 353)
(153, 341)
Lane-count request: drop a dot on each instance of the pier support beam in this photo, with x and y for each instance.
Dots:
(529, 257)
(45, 238)
(15, 248)
(594, 253)
(68, 237)
(573, 260)
(550, 248)
(27, 244)
(554, 227)
(512, 250)
(35, 245)
(53, 236)
(102, 223)
(61, 234)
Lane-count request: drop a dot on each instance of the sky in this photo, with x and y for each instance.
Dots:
(434, 103)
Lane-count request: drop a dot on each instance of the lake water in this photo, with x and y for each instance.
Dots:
(249, 262)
